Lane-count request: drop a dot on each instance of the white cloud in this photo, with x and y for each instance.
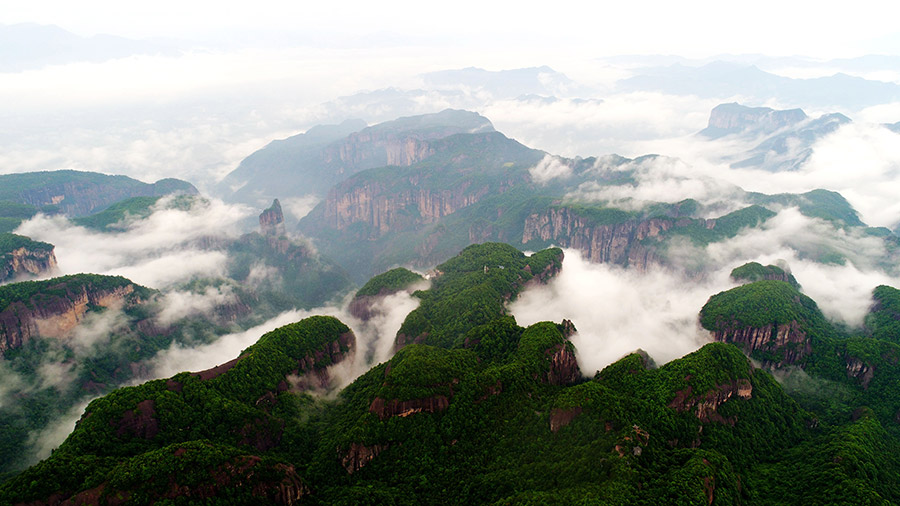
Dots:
(168, 247)
(550, 168)
(618, 311)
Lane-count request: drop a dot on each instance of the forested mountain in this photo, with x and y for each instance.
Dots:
(503, 414)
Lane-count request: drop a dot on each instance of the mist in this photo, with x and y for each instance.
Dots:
(168, 247)
(374, 341)
(617, 311)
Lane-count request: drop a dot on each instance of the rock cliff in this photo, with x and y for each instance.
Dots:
(56, 310)
(783, 345)
(705, 405)
(624, 243)
(271, 221)
(77, 193)
(386, 210)
(25, 261)
(731, 118)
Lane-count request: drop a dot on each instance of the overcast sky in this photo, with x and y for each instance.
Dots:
(690, 28)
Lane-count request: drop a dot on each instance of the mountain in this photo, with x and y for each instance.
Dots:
(722, 79)
(31, 46)
(20, 257)
(502, 414)
(310, 163)
(394, 215)
(787, 137)
(76, 193)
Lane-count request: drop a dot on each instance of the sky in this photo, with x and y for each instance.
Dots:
(691, 28)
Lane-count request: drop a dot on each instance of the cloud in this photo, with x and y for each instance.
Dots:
(615, 124)
(41, 443)
(549, 168)
(168, 247)
(176, 305)
(660, 179)
(374, 340)
(860, 161)
(617, 311)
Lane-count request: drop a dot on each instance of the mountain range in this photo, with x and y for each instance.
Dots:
(457, 402)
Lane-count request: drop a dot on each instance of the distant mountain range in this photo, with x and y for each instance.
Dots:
(29, 46)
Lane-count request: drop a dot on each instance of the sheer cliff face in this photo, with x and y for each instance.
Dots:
(788, 340)
(372, 148)
(23, 261)
(80, 198)
(736, 118)
(619, 244)
(54, 316)
(271, 221)
(384, 210)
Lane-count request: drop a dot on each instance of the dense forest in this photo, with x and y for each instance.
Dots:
(494, 413)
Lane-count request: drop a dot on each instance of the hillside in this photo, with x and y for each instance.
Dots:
(500, 414)
(75, 193)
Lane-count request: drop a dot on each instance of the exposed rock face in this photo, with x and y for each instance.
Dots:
(559, 418)
(563, 365)
(787, 339)
(358, 455)
(54, 317)
(271, 221)
(617, 244)
(708, 403)
(363, 306)
(139, 423)
(860, 371)
(736, 118)
(310, 376)
(80, 195)
(385, 409)
(375, 148)
(23, 261)
(385, 210)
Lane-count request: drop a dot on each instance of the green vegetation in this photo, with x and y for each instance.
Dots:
(883, 322)
(283, 274)
(754, 271)
(494, 413)
(388, 282)
(470, 290)
(39, 293)
(107, 219)
(12, 242)
(77, 193)
(824, 204)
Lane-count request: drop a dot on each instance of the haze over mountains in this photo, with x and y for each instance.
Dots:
(379, 273)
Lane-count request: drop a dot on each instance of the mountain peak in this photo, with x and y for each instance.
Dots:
(731, 118)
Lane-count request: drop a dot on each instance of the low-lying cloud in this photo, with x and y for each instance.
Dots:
(170, 246)
(618, 311)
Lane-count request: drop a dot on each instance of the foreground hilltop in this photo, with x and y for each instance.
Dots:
(492, 412)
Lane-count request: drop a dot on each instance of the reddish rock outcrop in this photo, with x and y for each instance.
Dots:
(55, 316)
(708, 403)
(385, 210)
(559, 418)
(140, 422)
(385, 409)
(563, 365)
(271, 221)
(358, 455)
(310, 376)
(787, 339)
(622, 243)
(22, 262)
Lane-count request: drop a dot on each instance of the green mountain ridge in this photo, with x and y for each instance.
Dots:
(501, 415)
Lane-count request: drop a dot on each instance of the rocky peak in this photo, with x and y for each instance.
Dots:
(271, 221)
(732, 118)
